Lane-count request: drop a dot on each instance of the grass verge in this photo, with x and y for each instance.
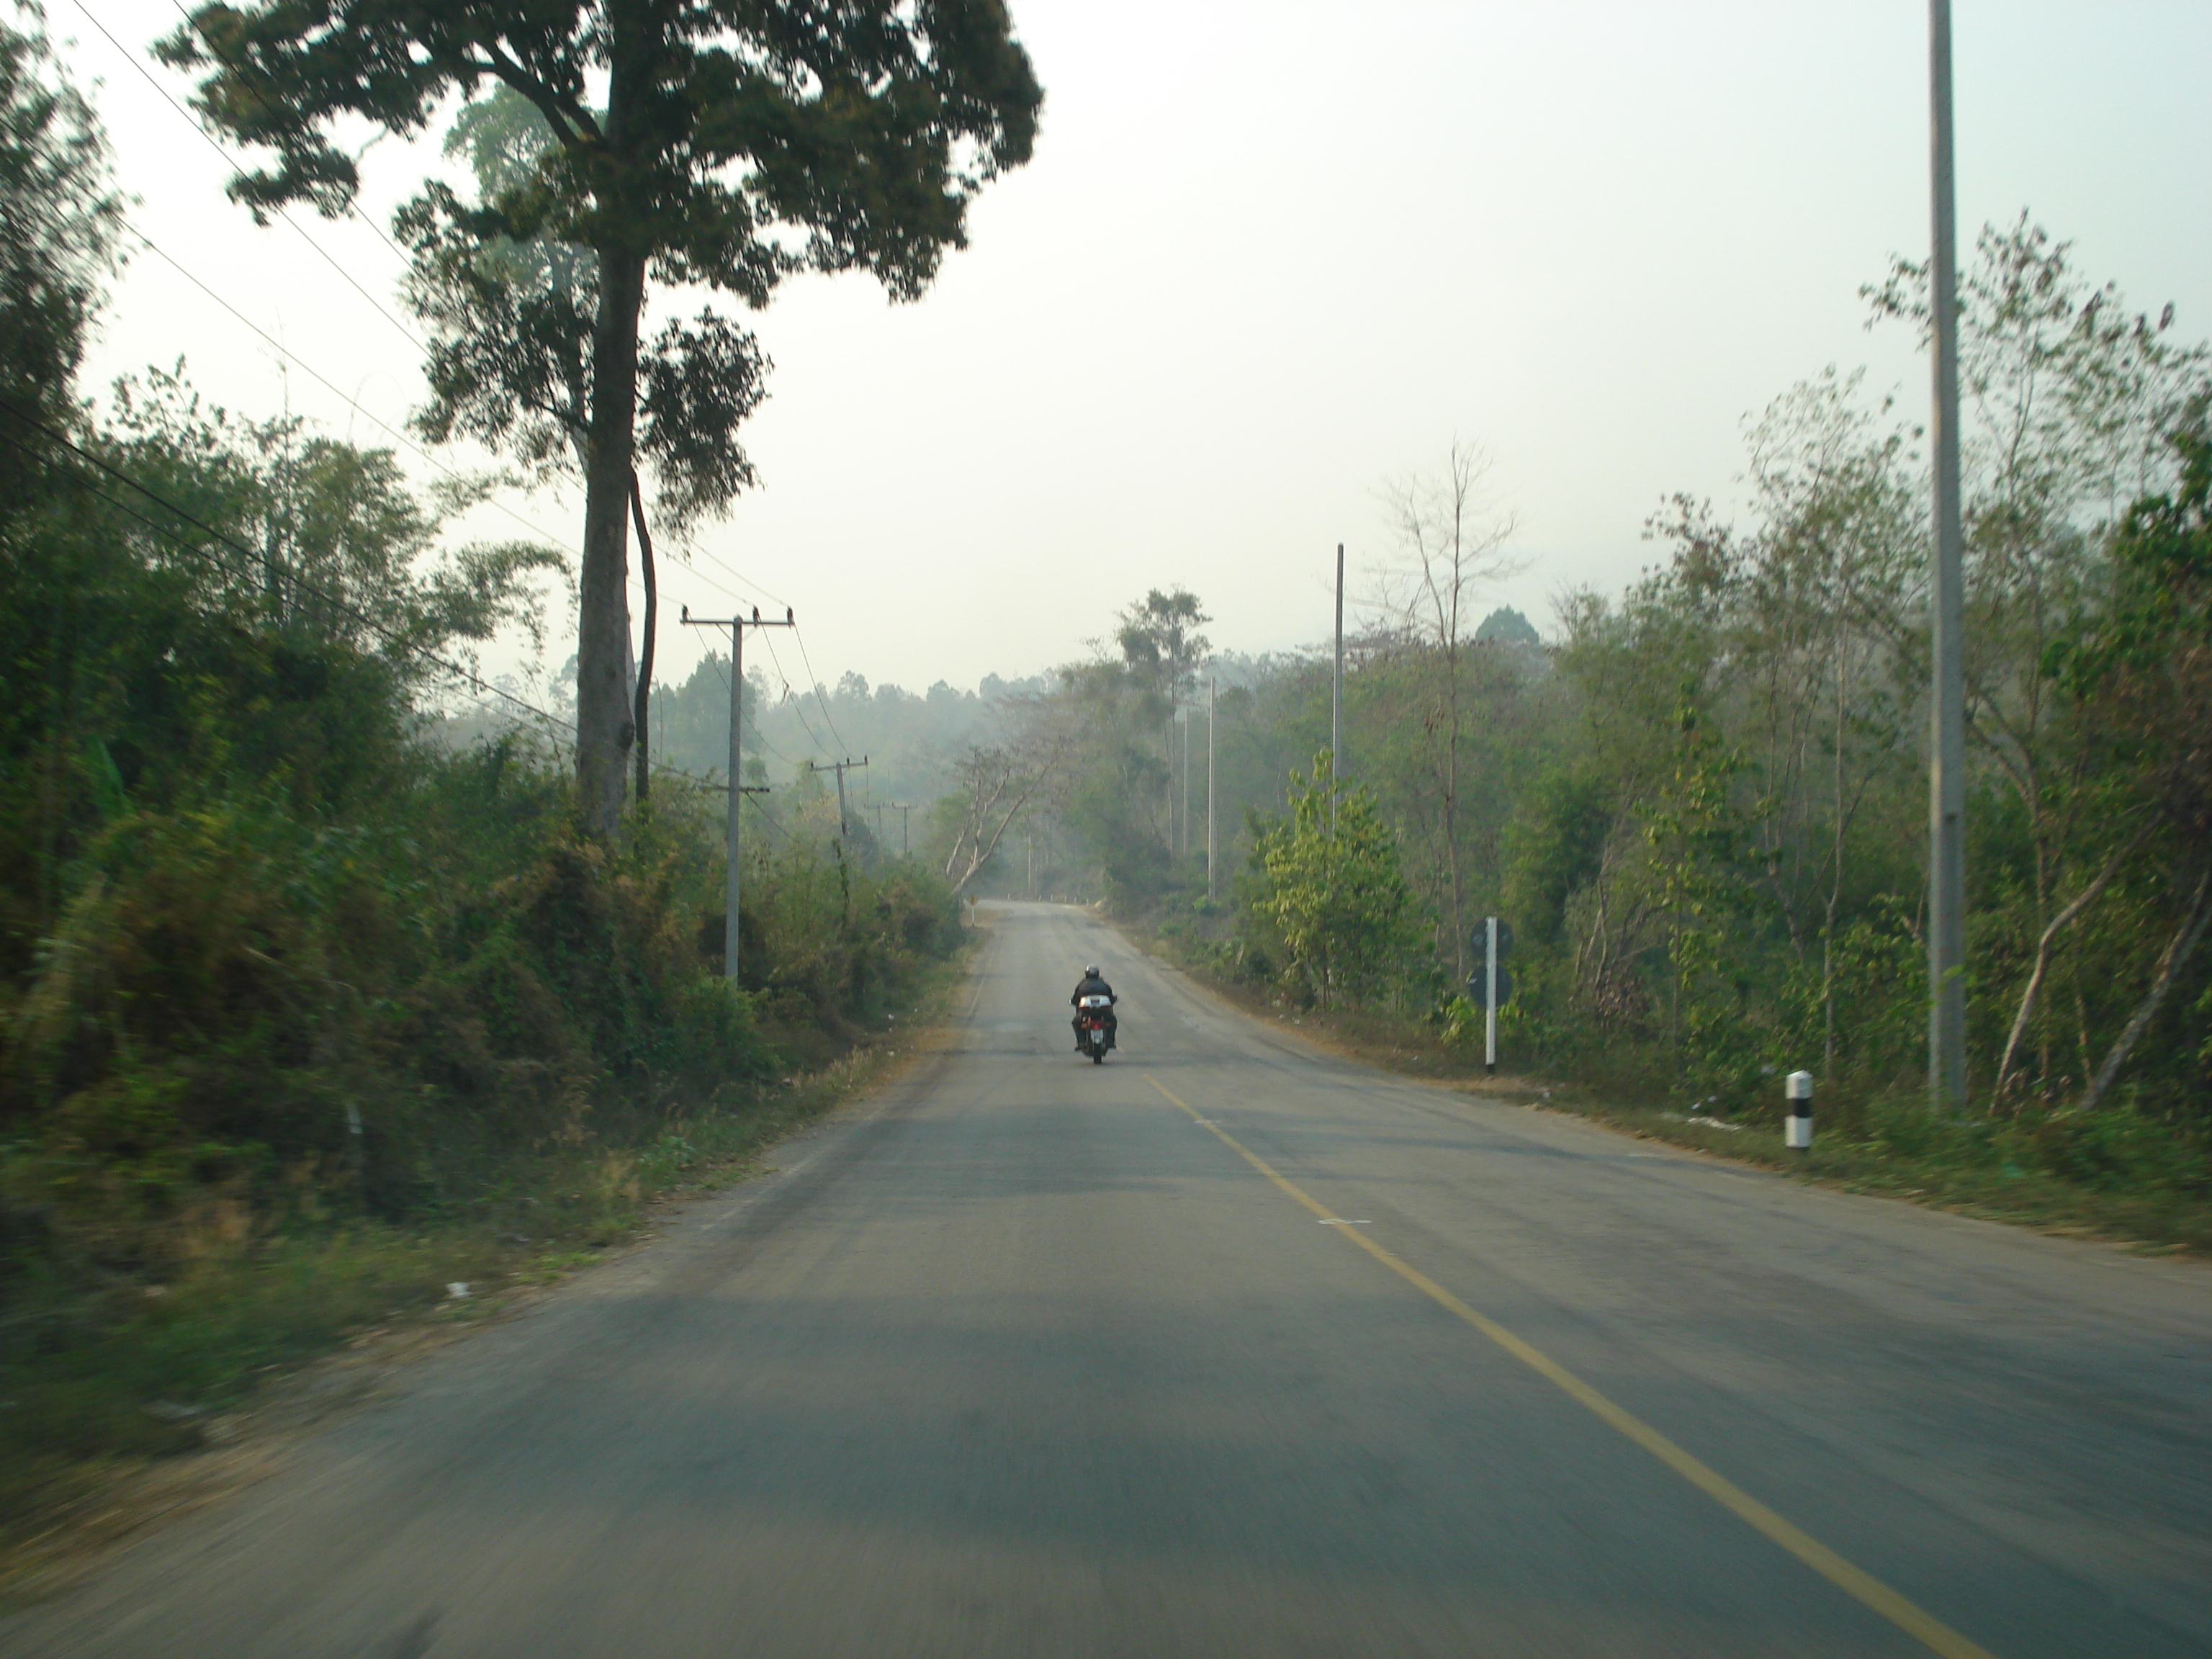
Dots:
(132, 1381)
(2110, 1177)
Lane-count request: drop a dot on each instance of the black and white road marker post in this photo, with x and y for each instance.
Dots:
(1797, 1127)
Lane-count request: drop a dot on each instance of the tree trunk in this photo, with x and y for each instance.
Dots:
(2082, 901)
(643, 716)
(2170, 964)
(606, 723)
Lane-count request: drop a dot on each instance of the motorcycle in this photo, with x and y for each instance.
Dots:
(1092, 1026)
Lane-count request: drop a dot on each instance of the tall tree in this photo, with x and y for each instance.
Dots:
(2069, 398)
(1160, 641)
(59, 215)
(1452, 544)
(705, 143)
(510, 361)
(1161, 650)
(2146, 660)
(1328, 880)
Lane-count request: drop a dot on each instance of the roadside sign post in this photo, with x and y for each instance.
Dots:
(1490, 998)
(1496, 983)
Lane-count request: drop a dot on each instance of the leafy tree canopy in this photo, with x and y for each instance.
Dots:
(1160, 641)
(59, 213)
(1336, 891)
(1506, 626)
(707, 144)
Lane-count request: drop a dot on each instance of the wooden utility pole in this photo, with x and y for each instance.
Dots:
(739, 791)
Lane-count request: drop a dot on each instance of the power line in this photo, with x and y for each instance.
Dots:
(398, 437)
(285, 351)
(307, 584)
(467, 675)
(308, 368)
(355, 212)
(773, 822)
(352, 208)
(816, 682)
(798, 704)
(715, 663)
(355, 404)
(746, 580)
(209, 140)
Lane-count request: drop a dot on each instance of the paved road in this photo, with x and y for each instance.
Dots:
(1230, 1348)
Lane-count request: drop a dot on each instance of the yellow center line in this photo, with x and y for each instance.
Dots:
(1854, 1582)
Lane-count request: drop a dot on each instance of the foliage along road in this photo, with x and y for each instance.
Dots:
(1229, 1347)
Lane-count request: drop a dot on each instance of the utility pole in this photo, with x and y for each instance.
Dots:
(1209, 790)
(1336, 699)
(739, 791)
(840, 767)
(1185, 847)
(1947, 782)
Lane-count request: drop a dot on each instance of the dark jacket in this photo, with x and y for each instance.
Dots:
(1092, 986)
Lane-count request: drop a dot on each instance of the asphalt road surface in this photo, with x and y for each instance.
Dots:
(1228, 1347)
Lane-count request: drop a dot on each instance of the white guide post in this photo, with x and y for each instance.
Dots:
(1797, 1127)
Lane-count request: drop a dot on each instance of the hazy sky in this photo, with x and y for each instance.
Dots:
(1269, 257)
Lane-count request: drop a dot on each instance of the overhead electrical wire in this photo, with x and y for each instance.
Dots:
(715, 663)
(309, 369)
(209, 138)
(290, 356)
(773, 822)
(398, 437)
(797, 703)
(467, 675)
(817, 684)
(352, 210)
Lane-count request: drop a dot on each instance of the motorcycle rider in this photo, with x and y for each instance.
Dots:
(1093, 985)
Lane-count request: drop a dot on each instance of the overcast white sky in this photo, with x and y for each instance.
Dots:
(1269, 256)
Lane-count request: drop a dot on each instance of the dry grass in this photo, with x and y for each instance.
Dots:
(161, 1403)
(1885, 1146)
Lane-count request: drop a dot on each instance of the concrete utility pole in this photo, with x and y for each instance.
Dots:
(1947, 782)
(840, 769)
(739, 791)
(1186, 780)
(1209, 791)
(1336, 698)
